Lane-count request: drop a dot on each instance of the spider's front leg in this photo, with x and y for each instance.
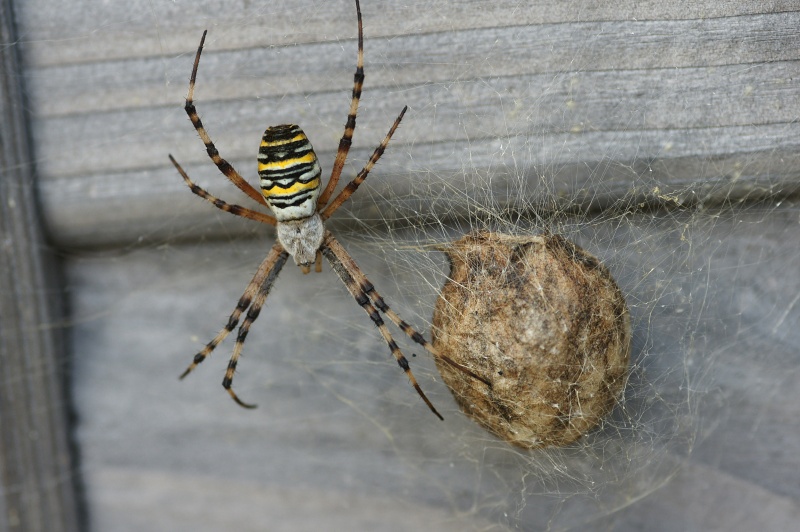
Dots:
(367, 288)
(251, 301)
(252, 315)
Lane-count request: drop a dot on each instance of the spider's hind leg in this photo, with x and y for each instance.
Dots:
(350, 125)
(236, 210)
(223, 165)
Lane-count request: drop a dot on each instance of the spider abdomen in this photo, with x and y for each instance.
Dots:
(289, 172)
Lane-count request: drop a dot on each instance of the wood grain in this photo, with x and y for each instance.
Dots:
(514, 105)
(555, 102)
(37, 482)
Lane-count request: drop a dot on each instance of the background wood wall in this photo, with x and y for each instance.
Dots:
(684, 115)
(624, 96)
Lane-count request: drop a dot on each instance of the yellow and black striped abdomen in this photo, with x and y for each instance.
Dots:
(289, 172)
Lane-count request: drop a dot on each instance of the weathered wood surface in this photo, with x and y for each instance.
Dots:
(567, 104)
(37, 488)
(340, 441)
(586, 102)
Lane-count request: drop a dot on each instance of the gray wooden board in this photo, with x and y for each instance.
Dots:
(341, 438)
(524, 92)
(36, 489)
(95, 30)
(513, 106)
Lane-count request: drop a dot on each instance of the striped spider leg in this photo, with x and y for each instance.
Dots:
(368, 298)
(338, 257)
(290, 179)
(254, 297)
(358, 281)
(350, 125)
(223, 165)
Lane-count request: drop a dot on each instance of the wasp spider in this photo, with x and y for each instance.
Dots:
(290, 186)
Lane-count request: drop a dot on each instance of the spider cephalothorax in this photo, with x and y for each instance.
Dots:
(290, 186)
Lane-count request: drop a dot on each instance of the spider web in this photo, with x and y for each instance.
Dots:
(340, 439)
(681, 269)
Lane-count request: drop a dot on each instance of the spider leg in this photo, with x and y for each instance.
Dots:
(238, 210)
(252, 314)
(368, 289)
(345, 267)
(318, 266)
(350, 125)
(265, 276)
(353, 185)
(223, 165)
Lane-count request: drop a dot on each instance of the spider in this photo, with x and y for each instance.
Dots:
(290, 186)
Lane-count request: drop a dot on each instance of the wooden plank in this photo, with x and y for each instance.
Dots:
(537, 53)
(37, 476)
(712, 297)
(516, 107)
(90, 31)
(153, 206)
(581, 102)
(552, 103)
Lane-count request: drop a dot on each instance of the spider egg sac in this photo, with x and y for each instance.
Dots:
(542, 320)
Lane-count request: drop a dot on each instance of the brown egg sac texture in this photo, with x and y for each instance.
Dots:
(545, 323)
